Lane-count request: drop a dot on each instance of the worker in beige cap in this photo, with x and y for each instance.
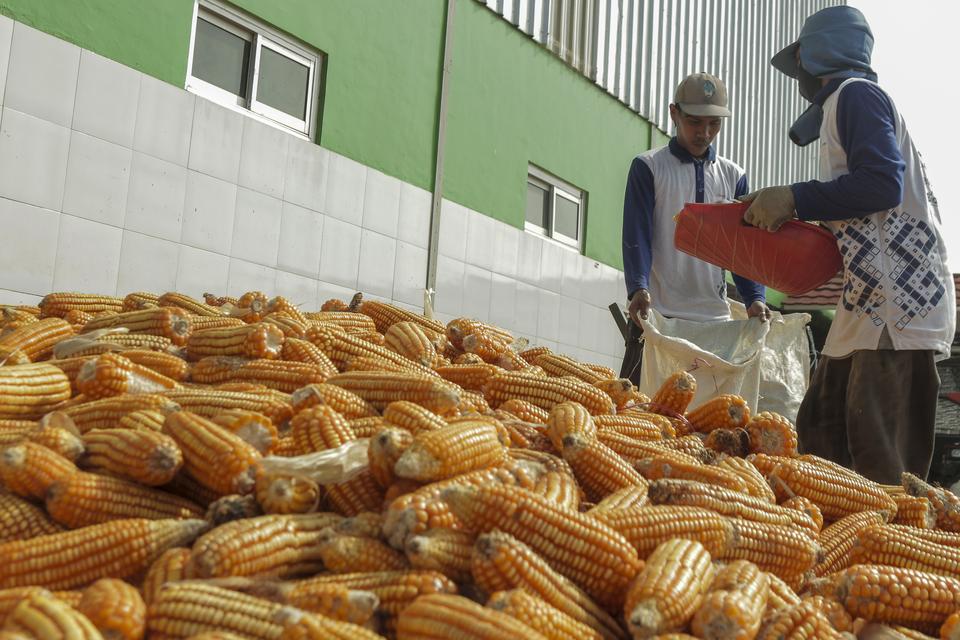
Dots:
(659, 184)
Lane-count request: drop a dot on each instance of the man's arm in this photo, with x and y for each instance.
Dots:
(868, 134)
(749, 290)
(638, 204)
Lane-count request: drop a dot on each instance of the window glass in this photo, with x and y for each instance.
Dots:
(221, 58)
(538, 209)
(566, 218)
(282, 83)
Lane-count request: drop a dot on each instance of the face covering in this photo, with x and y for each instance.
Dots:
(806, 129)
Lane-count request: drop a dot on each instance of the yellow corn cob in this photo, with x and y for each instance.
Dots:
(21, 520)
(282, 376)
(107, 412)
(218, 301)
(78, 318)
(233, 507)
(511, 361)
(12, 314)
(772, 434)
(647, 527)
(805, 506)
(409, 340)
(525, 435)
(253, 428)
(115, 549)
(558, 366)
(489, 346)
(216, 458)
(531, 354)
(385, 315)
(333, 304)
(271, 545)
(83, 499)
(297, 350)
(380, 389)
(29, 469)
(951, 627)
(546, 392)
(139, 300)
(445, 550)
(258, 340)
(626, 498)
(469, 376)
(143, 420)
(836, 494)
(115, 608)
(16, 431)
(449, 616)
(10, 598)
(466, 358)
(758, 487)
(251, 306)
(734, 606)
(783, 551)
(453, 450)
(299, 625)
(342, 347)
(780, 595)
(947, 538)
(172, 565)
(837, 540)
(165, 364)
(385, 449)
(880, 544)
(57, 432)
(727, 502)
(281, 306)
(636, 451)
(686, 468)
(598, 469)
(915, 511)
(675, 394)
(45, 617)
(144, 456)
(540, 616)
(35, 339)
(147, 341)
(168, 322)
(581, 547)
(946, 504)
(725, 411)
(112, 374)
(560, 488)
(569, 418)
(59, 303)
(368, 524)
(347, 321)
(800, 622)
(526, 411)
(346, 554)
(190, 305)
(621, 391)
(29, 391)
(204, 323)
(460, 328)
(732, 442)
(669, 589)
(333, 601)
(833, 611)
(209, 402)
(412, 417)
(283, 493)
(367, 427)
(181, 610)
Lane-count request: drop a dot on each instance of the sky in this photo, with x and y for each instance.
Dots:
(913, 53)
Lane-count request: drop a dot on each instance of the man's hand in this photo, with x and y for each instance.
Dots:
(759, 309)
(769, 208)
(639, 305)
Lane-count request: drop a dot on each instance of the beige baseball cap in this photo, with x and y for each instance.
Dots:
(701, 94)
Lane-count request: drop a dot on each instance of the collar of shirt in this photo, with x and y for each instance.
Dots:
(828, 90)
(685, 156)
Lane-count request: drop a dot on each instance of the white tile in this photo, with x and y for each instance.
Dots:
(33, 159)
(476, 292)
(247, 276)
(450, 278)
(263, 157)
(98, 174)
(42, 75)
(18, 297)
(164, 121)
(88, 256)
(551, 265)
(378, 258)
(327, 291)
(301, 238)
(6, 35)
(527, 308)
(453, 230)
(569, 329)
(147, 264)
(155, 197)
(298, 289)
(589, 327)
(548, 315)
(415, 308)
(528, 258)
(107, 96)
(345, 189)
(506, 246)
(414, 224)
(480, 235)
(256, 228)
(208, 210)
(571, 275)
(340, 253)
(201, 272)
(29, 255)
(381, 203)
(305, 176)
(215, 141)
(613, 285)
(411, 274)
(503, 301)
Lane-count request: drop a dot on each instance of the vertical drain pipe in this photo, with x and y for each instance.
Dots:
(433, 244)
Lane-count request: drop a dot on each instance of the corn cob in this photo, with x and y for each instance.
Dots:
(581, 547)
(459, 328)
(412, 417)
(735, 604)
(722, 412)
(833, 611)
(772, 434)
(838, 539)
(282, 493)
(569, 418)
(636, 451)
(10, 598)
(112, 375)
(218, 301)
(805, 506)
(205, 323)
(465, 358)
(380, 389)
(946, 504)
(57, 432)
(951, 627)
(449, 616)
(139, 300)
(346, 554)
(727, 502)
(172, 565)
(409, 340)
(546, 392)
(800, 622)
(637, 428)
(35, 339)
(250, 307)
(469, 376)
(165, 364)
(341, 347)
(558, 366)
(598, 469)
(146, 341)
(253, 428)
(540, 616)
(58, 304)
(12, 314)
(258, 340)
(115, 549)
(107, 412)
(675, 394)
(947, 538)
(560, 488)
(45, 617)
(732, 442)
(879, 544)
(28, 391)
(298, 625)
(626, 498)
(115, 608)
(168, 322)
(669, 589)
(297, 350)
(21, 520)
(915, 511)
(531, 354)
(685, 468)
(83, 499)
(16, 431)
(758, 487)
(385, 449)
(347, 321)
(29, 469)
(333, 304)
(216, 458)
(281, 306)
(181, 610)
(367, 427)
(282, 376)
(783, 551)
(77, 319)
(331, 601)
(225, 508)
(210, 402)
(385, 315)
(190, 305)
(444, 550)
(144, 456)
(526, 411)
(368, 524)
(647, 527)
(453, 450)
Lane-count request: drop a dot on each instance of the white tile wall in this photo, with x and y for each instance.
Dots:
(112, 181)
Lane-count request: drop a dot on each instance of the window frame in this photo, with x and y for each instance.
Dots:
(259, 35)
(557, 188)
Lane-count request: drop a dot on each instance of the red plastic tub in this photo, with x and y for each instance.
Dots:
(797, 258)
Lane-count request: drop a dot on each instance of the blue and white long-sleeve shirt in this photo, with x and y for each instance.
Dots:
(659, 184)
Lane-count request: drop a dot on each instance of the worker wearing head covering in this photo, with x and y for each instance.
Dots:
(872, 401)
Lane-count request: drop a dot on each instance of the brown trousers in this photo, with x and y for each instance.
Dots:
(873, 412)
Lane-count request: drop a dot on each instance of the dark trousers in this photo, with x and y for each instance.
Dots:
(633, 354)
(873, 412)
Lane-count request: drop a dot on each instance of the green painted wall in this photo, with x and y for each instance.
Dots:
(505, 113)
